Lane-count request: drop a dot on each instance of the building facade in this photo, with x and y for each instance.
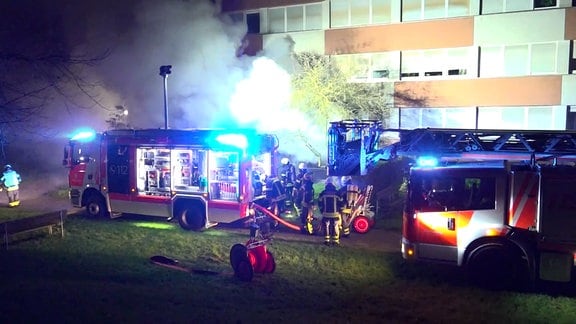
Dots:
(487, 64)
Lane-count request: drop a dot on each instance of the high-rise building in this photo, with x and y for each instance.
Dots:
(489, 64)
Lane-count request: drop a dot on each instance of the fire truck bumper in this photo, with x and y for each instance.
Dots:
(408, 250)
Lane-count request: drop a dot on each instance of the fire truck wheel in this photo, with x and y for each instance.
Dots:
(191, 218)
(270, 263)
(95, 207)
(495, 266)
(361, 224)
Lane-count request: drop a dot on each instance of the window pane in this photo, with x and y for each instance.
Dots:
(543, 58)
(381, 12)
(433, 62)
(434, 9)
(460, 118)
(491, 61)
(294, 18)
(539, 118)
(513, 117)
(385, 65)
(458, 8)
(411, 10)
(459, 60)
(492, 6)
(276, 20)
(339, 13)
(253, 22)
(313, 17)
(516, 60)
(544, 3)
(411, 61)
(432, 117)
(360, 12)
(410, 118)
(518, 5)
(490, 118)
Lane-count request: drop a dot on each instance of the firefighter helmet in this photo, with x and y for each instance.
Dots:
(345, 180)
(7, 167)
(285, 161)
(301, 166)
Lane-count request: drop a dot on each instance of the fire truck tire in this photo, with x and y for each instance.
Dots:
(361, 224)
(496, 266)
(191, 218)
(96, 207)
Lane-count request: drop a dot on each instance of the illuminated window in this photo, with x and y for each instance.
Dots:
(434, 9)
(543, 58)
(496, 6)
(532, 117)
(439, 63)
(459, 117)
(516, 60)
(345, 13)
(294, 18)
(372, 67)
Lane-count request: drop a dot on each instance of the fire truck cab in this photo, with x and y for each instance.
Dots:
(199, 177)
(500, 203)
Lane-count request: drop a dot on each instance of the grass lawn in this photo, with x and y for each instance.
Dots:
(100, 272)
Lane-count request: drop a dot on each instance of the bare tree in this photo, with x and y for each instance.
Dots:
(38, 66)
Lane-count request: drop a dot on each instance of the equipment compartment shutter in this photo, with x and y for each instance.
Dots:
(118, 169)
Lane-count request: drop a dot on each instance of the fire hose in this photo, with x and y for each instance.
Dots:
(275, 217)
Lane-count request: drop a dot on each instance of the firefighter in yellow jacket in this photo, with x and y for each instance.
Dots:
(330, 204)
(10, 181)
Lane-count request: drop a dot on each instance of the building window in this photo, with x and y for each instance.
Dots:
(295, 18)
(439, 63)
(458, 117)
(544, 3)
(373, 67)
(497, 6)
(434, 9)
(253, 22)
(532, 117)
(345, 13)
(518, 60)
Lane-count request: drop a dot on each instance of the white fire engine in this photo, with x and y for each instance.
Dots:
(500, 203)
(199, 177)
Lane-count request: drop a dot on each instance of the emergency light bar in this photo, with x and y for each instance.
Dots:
(83, 136)
(236, 140)
(427, 161)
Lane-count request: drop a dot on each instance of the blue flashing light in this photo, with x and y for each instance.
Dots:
(83, 135)
(237, 140)
(427, 161)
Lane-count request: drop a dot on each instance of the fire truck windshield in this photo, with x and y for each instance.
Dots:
(430, 192)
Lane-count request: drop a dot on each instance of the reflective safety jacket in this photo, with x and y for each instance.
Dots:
(330, 202)
(10, 179)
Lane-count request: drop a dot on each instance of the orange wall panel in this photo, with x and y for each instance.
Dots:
(570, 28)
(236, 5)
(444, 33)
(512, 91)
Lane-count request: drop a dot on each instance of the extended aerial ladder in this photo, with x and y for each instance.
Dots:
(355, 146)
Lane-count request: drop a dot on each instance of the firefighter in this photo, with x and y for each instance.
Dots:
(298, 188)
(306, 213)
(288, 177)
(10, 182)
(348, 192)
(330, 203)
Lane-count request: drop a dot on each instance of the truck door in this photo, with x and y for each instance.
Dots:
(523, 204)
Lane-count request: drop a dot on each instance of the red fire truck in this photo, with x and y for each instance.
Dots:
(199, 177)
(500, 203)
